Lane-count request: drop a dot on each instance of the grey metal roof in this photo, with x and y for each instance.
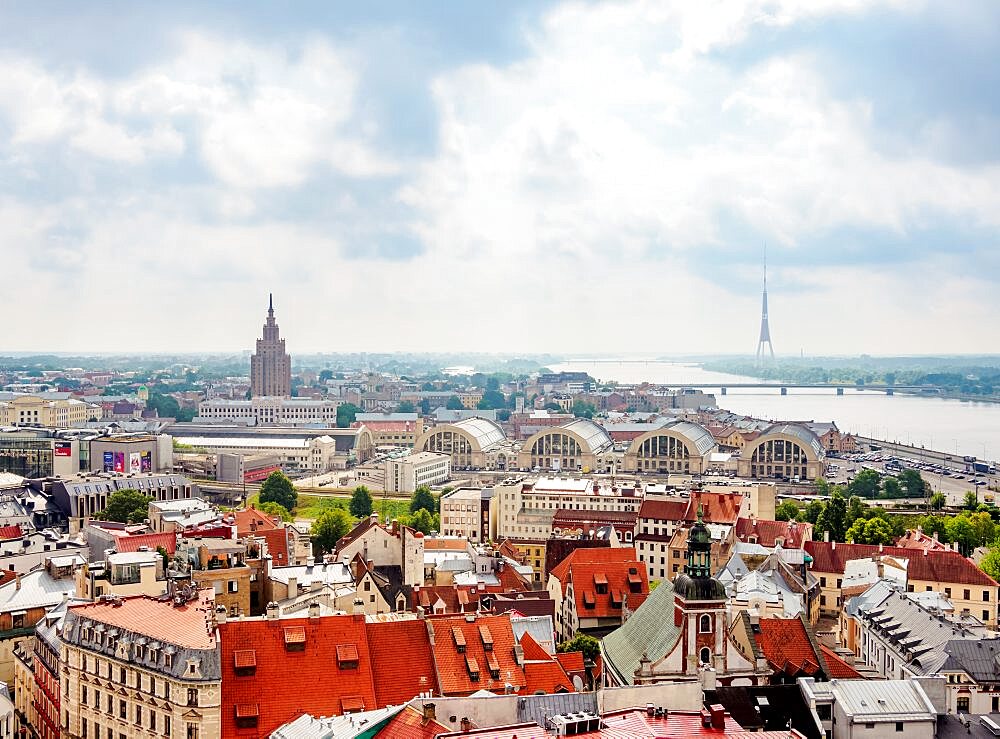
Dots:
(650, 631)
(37, 589)
(595, 438)
(898, 700)
(803, 434)
(979, 659)
(697, 435)
(486, 433)
(539, 708)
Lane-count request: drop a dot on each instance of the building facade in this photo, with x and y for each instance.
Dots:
(406, 474)
(270, 366)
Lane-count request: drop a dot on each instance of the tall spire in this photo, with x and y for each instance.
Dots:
(270, 305)
(765, 329)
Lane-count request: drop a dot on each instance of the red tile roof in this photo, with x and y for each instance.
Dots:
(836, 668)
(250, 520)
(722, 508)
(401, 660)
(787, 647)
(132, 543)
(792, 533)
(277, 545)
(571, 661)
(286, 681)
(914, 539)
(597, 555)
(184, 626)
(453, 665)
(410, 724)
(929, 566)
(544, 673)
(10, 532)
(633, 724)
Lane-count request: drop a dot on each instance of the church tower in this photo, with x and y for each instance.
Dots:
(700, 606)
(270, 366)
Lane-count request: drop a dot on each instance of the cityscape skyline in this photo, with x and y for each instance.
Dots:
(222, 154)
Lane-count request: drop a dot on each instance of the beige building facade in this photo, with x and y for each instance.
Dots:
(34, 410)
(406, 474)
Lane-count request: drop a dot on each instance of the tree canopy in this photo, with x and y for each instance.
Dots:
(454, 403)
(423, 521)
(492, 400)
(126, 506)
(346, 414)
(361, 502)
(786, 511)
(274, 509)
(423, 498)
(277, 488)
(329, 528)
(870, 531)
(865, 484)
(581, 643)
(406, 406)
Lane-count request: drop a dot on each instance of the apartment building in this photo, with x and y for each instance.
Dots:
(141, 667)
(406, 474)
(52, 410)
(527, 508)
(465, 512)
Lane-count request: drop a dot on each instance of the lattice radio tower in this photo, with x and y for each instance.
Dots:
(765, 329)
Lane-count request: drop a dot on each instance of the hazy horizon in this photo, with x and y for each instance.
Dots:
(519, 177)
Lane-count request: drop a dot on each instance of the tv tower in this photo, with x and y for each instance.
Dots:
(765, 330)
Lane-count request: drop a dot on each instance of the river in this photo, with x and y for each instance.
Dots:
(957, 426)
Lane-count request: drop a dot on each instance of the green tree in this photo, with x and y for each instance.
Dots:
(913, 484)
(454, 403)
(855, 509)
(492, 384)
(990, 563)
(971, 501)
(961, 531)
(553, 407)
(277, 488)
(423, 521)
(361, 502)
(126, 506)
(346, 414)
(812, 512)
(581, 643)
(325, 375)
(938, 501)
(406, 406)
(583, 409)
(275, 509)
(424, 499)
(425, 407)
(984, 527)
(891, 488)
(331, 526)
(822, 486)
(865, 484)
(871, 531)
(787, 511)
(492, 400)
(834, 517)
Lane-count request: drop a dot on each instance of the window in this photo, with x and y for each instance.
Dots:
(122, 709)
(965, 595)
(166, 724)
(83, 695)
(705, 655)
(138, 715)
(192, 731)
(192, 696)
(705, 624)
(986, 615)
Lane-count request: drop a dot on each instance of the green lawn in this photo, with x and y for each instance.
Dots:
(310, 506)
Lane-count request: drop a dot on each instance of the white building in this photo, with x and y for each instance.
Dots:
(466, 513)
(318, 454)
(526, 508)
(270, 411)
(873, 709)
(405, 474)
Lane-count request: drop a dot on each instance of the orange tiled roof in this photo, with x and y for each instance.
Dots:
(410, 724)
(914, 539)
(792, 533)
(184, 626)
(10, 532)
(401, 660)
(615, 578)
(929, 566)
(542, 671)
(837, 669)
(291, 678)
(456, 663)
(132, 543)
(277, 545)
(571, 661)
(597, 555)
(250, 520)
(722, 508)
(787, 647)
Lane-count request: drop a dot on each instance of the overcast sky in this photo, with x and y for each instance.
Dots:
(558, 177)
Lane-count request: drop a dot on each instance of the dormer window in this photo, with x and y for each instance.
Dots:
(295, 639)
(459, 638)
(347, 657)
(245, 662)
(473, 667)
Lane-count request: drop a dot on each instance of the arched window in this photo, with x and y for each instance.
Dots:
(705, 624)
(705, 655)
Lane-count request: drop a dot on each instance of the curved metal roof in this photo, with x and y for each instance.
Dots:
(699, 437)
(486, 433)
(803, 434)
(594, 436)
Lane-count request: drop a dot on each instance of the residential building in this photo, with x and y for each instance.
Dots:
(123, 573)
(270, 366)
(175, 516)
(51, 410)
(947, 573)
(856, 709)
(526, 508)
(465, 512)
(771, 584)
(23, 552)
(140, 667)
(386, 546)
(405, 474)
(595, 590)
(221, 566)
(83, 496)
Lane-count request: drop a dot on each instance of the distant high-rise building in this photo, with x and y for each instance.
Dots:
(765, 329)
(270, 366)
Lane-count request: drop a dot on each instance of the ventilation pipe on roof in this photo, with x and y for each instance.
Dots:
(220, 614)
(429, 711)
(314, 610)
(272, 611)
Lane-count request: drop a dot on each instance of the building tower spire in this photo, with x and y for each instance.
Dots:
(765, 329)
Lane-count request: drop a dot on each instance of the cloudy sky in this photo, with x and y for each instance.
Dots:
(523, 176)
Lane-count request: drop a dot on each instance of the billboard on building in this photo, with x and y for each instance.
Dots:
(119, 461)
(109, 461)
(133, 462)
(62, 449)
(146, 461)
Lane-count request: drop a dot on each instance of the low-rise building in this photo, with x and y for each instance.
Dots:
(265, 410)
(405, 474)
(53, 410)
(175, 516)
(123, 573)
(465, 512)
(856, 709)
(141, 666)
(83, 496)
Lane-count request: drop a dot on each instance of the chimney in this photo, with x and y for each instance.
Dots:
(359, 606)
(272, 611)
(925, 552)
(718, 716)
(826, 536)
(430, 714)
(17, 580)
(420, 610)
(466, 724)
(519, 654)
(293, 587)
(833, 545)
(314, 610)
(220, 614)
(879, 548)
